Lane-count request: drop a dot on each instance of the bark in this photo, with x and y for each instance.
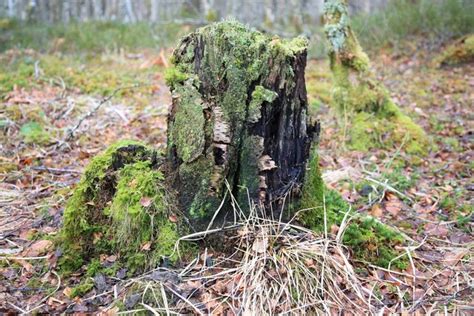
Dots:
(239, 116)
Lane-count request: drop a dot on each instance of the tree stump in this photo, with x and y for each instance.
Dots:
(238, 123)
(238, 120)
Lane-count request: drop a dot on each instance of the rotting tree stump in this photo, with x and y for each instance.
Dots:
(238, 115)
(238, 123)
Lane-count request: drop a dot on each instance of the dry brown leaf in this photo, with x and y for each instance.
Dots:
(173, 218)
(38, 248)
(111, 258)
(390, 196)
(220, 286)
(455, 256)
(146, 246)
(393, 207)
(376, 211)
(67, 291)
(436, 230)
(110, 312)
(145, 201)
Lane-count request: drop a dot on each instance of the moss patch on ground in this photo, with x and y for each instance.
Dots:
(120, 207)
(34, 133)
(370, 240)
(89, 74)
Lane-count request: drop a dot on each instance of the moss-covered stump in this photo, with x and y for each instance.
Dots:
(120, 208)
(376, 121)
(460, 52)
(239, 115)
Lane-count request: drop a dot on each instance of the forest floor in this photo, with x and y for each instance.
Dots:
(429, 198)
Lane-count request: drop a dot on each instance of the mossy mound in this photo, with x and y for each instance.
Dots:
(387, 129)
(120, 207)
(369, 240)
(460, 52)
(34, 133)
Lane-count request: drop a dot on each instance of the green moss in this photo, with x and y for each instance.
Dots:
(173, 76)
(185, 134)
(372, 130)
(34, 133)
(369, 239)
(119, 207)
(83, 288)
(259, 95)
(399, 180)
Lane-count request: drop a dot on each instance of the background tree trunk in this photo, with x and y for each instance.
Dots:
(359, 95)
(239, 115)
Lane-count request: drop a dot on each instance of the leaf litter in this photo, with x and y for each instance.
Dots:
(305, 271)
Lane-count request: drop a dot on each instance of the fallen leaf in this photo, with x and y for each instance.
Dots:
(455, 256)
(67, 291)
(376, 211)
(173, 218)
(111, 258)
(145, 201)
(393, 207)
(436, 230)
(146, 246)
(37, 248)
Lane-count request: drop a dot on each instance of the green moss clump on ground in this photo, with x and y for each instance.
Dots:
(374, 130)
(82, 288)
(370, 240)
(119, 207)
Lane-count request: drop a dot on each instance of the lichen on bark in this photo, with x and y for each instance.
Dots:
(359, 96)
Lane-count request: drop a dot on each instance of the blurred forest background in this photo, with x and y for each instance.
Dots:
(114, 24)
